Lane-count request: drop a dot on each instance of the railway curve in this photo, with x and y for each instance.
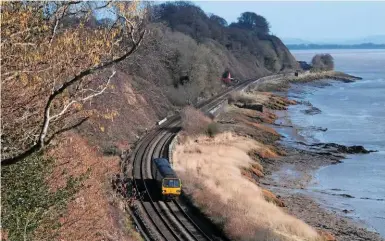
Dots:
(175, 220)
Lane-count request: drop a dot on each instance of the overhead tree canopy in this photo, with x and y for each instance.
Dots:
(55, 58)
(254, 22)
(219, 20)
(192, 20)
(185, 17)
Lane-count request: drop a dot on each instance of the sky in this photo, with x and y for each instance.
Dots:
(312, 21)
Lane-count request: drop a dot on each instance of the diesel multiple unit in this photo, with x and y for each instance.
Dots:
(167, 182)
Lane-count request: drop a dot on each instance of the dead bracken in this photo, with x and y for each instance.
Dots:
(213, 179)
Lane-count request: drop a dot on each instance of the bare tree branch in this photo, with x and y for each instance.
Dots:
(56, 72)
(52, 118)
(66, 129)
(27, 223)
(62, 9)
(37, 147)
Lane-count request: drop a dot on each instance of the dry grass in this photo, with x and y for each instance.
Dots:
(273, 85)
(213, 178)
(283, 84)
(311, 76)
(267, 99)
(270, 103)
(271, 197)
(95, 213)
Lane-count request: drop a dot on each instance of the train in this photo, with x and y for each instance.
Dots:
(227, 79)
(168, 184)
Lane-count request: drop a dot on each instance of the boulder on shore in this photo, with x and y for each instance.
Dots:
(251, 106)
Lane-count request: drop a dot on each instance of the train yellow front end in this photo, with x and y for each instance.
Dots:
(171, 188)
(168, 183)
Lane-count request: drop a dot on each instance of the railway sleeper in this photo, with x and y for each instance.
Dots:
(140, 214)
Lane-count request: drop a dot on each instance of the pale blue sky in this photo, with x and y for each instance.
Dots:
(312, 21)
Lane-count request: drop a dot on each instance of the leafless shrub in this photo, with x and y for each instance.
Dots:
(194, 122)
(323, 62)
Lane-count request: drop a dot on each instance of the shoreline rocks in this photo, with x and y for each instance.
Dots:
(294, 171)
(338, 148)
(335, 75)
(312, 111)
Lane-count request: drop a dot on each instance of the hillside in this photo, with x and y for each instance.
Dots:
(181, 62)
(77, 93)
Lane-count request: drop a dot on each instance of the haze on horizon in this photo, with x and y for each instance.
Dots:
(311, 21)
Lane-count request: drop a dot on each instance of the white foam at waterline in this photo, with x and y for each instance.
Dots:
(380, 152)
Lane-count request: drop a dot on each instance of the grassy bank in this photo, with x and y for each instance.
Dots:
(64, 195)
(27, 202)
(213, 170)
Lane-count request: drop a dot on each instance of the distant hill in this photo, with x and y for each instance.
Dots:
(295, 41)
(374, 41)
(336, 46)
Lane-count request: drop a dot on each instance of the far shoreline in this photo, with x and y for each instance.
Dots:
(294, 47)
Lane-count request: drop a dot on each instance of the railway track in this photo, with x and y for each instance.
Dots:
(169, 220)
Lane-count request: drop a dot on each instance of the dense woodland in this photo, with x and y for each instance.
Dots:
(249, 35)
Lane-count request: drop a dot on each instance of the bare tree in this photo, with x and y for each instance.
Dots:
(53, 62)
(194, 122)
(323, 62)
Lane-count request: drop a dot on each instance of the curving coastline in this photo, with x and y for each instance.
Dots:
(288, 174)
(290, 177)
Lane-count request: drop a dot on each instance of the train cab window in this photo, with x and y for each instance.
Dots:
(171, 183)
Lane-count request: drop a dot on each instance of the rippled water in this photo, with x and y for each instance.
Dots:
(354, 114)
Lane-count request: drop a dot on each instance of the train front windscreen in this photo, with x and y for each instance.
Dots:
(171, 183)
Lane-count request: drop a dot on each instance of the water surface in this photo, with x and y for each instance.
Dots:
(354, 114)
